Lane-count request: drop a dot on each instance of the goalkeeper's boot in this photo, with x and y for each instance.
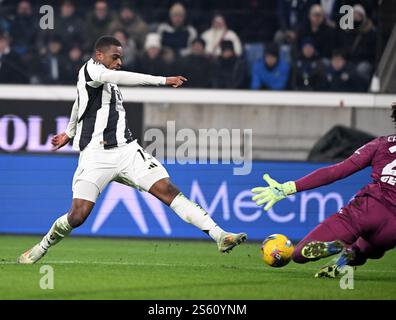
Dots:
(32, 255)
(320, 249)
(335, 267)
(229, 240)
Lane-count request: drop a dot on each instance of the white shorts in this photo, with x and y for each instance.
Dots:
(129, 164)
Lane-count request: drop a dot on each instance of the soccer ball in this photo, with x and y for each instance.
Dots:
(276, 250)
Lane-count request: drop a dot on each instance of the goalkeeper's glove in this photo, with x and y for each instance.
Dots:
(273, 193)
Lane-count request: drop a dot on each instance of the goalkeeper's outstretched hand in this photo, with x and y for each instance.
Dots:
(273, 193)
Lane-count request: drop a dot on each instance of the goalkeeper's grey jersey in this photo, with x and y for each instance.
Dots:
(98, 113)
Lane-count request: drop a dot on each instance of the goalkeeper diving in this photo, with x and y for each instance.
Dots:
(363, 229)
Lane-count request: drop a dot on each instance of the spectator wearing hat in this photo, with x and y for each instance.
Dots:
(309, 69)
(150, 62)
(360, 43)
(270, 72)
(130, 21)
(12, 69)
(231, 70)
(340, 75)
(217, 33)
(176, 33)
(323, 36)
(198, 66)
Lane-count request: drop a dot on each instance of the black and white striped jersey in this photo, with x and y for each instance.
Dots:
(98, 118)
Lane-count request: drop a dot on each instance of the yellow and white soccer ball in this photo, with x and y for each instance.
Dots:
(276, 250)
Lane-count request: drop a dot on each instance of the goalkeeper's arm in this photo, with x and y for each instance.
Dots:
(323, 176)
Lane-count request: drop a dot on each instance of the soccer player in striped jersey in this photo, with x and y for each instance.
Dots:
(366, 227)
(108, 151)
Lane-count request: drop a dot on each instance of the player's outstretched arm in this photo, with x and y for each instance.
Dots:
(273, 193)
(320, 177)
(134, 79)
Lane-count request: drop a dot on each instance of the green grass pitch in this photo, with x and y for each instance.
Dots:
(97, 268)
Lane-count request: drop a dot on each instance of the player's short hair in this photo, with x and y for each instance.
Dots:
(105, 42)
(393, 115)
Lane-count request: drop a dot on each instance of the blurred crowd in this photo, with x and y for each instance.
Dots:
(272, 45)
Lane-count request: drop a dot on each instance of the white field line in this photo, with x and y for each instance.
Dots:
(170, 265)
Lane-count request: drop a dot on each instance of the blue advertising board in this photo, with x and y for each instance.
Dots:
(36, 189)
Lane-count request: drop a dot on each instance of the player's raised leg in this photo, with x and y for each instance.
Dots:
(79, 212)
(327, 239)
(193, 213)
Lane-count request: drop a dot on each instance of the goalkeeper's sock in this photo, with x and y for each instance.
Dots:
(60, 229)
(193, 213)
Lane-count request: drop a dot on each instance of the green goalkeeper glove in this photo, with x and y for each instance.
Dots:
(273, 193)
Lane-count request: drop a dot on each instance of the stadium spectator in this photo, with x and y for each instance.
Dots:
(292, 15)
(309, 70)
(4, 20)
(69, 26)
(322, 35)
(23, 28)
(129, 48)
(217, 33)
(360, 43)
(270, 72)
(176, 33)
(132, 23)
(198, 67)
(171, 62)
(73, 65)
(331, 10)
(340, 75)
(98, 22)
(231, 70)
(52, 63)
(12, 69)
(150, 62)
(256, 21)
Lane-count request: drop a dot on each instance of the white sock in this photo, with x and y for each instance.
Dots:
(193, 213)
(60, 229)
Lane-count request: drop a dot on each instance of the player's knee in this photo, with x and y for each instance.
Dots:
(76, 219)
(78, 215)
(297, 257)
(164, 190)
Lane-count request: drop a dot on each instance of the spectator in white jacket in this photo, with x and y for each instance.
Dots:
(218, 33)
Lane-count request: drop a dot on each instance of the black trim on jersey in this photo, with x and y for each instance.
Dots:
(86, 74)
(110, 132)
(127, 132)
(89, 115)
